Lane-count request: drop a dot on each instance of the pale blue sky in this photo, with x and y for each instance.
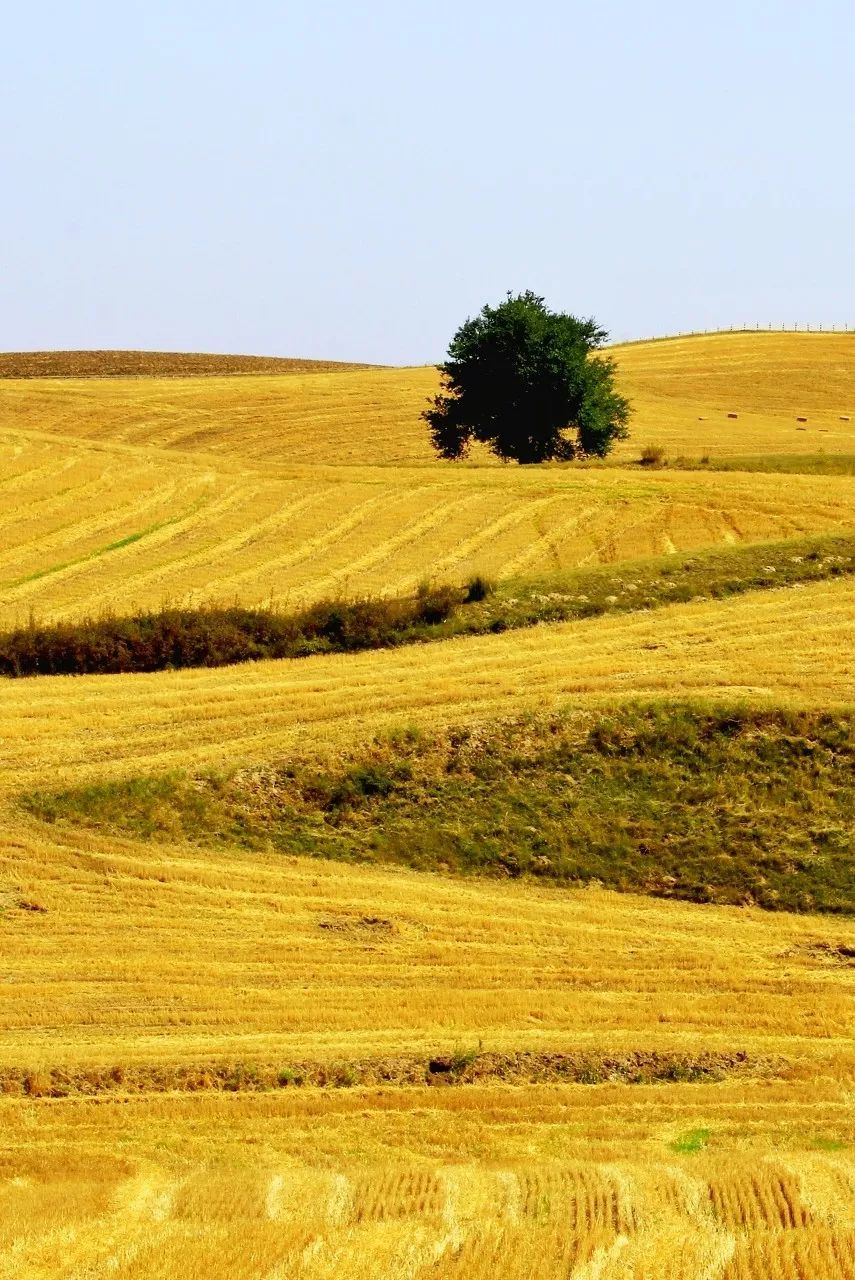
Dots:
(351, 181)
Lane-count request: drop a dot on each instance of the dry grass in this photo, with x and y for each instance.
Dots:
(368, 416)
(352, 415)
(287, 488)
(418, 1185)
(683, 389)
(269, 960)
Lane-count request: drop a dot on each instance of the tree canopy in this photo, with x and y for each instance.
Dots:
(523, 380)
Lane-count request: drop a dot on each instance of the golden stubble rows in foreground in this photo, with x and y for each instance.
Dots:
(792, 645)
(85, 528)
(569, 1183)
(254, 958)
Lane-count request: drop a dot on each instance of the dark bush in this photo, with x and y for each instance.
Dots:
(216, 637)
(478, 588)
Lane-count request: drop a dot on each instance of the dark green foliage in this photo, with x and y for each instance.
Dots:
(478, 588)
(216, 637)
(712, 804)
(523, 380)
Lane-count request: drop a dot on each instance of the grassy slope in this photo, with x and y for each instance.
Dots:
(170, 638)
(725, 805)
(249, 956)
(790, 647)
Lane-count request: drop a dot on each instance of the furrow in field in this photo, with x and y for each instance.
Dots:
(238, 505)
(76, 542)
(314, 542)
(411, 532)
(92, 582)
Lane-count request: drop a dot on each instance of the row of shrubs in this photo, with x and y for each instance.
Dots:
(219, 636)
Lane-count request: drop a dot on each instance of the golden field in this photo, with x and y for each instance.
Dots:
(580, 1182)
(84, 529)
(264, 960)
(794, 646)
(138, 491)
(681, 389)
(159, 1001)
(232, 958)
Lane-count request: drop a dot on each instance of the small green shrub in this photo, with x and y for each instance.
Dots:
(692, 1142)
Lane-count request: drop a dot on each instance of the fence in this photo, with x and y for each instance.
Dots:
(734, 328)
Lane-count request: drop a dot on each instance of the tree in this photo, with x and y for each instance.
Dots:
(523, 380)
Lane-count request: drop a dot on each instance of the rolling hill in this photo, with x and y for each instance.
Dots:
(218, 1059)
(255, 488)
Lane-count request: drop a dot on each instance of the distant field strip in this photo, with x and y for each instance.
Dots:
(147, 364)
(794, 646)
(356, 416)
(86, 527)
(681, 389)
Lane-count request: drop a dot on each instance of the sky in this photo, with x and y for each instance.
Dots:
(352, 181)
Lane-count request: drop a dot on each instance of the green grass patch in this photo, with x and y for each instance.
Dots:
(732, 805)
(803, 464)
(691, 1142)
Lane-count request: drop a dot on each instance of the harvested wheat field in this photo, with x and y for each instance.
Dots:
(681, 389)
(136, 491)
(791, 646)
(314, 1070)
(684, 388)
(86, 528)
(223, 1056)
(241, 979)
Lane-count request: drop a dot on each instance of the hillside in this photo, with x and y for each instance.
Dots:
(284, 488)
(85, 527)
(791, 647)
(415, 1037)
(681, 389)
(240, 969)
